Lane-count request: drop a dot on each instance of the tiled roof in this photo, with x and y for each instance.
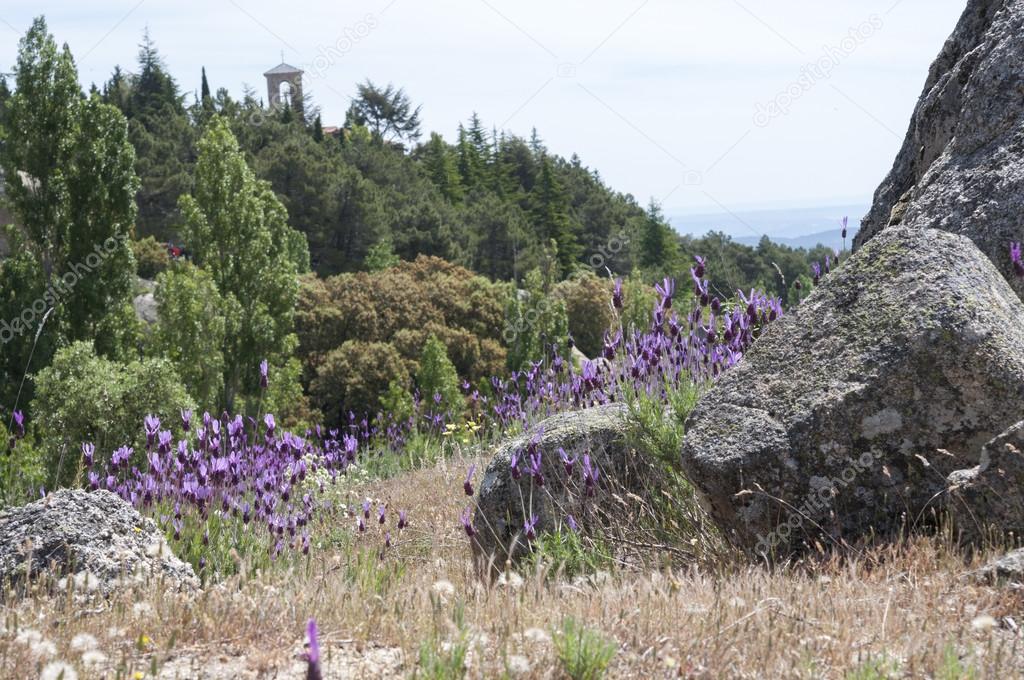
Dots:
(283, 69)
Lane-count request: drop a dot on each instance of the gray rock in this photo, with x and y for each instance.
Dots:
(1005, 570)
(987, 501)
(832, 422)
(146, 308)
(97, 537)
(504, 503)
(961, 167)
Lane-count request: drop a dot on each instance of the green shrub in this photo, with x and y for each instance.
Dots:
(380, 256)
(437, 376)
(401, 307)
(584, 654)
(22, 469)
(568, 555)
(151, 257)
(588, 304)
(355, 376)
(536, 320)
(84, 398)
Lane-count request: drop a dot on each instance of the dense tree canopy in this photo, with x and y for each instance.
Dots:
(436, 262)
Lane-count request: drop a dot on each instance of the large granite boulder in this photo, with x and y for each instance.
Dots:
(508, 499)
(961, 167)
(97, 538)
(833, 422)
(987, 501)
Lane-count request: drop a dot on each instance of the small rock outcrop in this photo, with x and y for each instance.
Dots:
(1005, 570)
(987, 501)
(832, 424)
(96, 537)
(507, 498)
(961, 167)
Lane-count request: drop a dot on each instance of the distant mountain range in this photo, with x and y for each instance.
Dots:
(797, 227)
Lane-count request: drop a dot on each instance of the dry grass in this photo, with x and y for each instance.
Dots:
(906, 609)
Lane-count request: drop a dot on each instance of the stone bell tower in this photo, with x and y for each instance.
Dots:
(280, 75)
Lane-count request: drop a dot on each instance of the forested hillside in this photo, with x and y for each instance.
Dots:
(489, 244)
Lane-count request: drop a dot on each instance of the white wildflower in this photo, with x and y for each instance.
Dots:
(518, 665)
(28, 636)
(443, 589)
(984, 623)
(83, 642)
(537, 636)
(141, 609)
(94, 658)
(510, 580)
(58, 670)
(43, 648)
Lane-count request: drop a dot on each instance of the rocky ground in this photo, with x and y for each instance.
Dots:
(914, 607)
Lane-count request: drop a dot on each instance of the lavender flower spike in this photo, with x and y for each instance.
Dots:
(1015, 258)
(313, 656)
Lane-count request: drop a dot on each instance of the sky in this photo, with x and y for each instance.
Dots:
(707, 106)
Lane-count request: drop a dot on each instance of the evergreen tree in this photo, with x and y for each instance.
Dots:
(550, 212)
(318, 129)
(659, 250)
(205, 99)
(441, 167)
(471, 165)
(387, 112)
(155, 89)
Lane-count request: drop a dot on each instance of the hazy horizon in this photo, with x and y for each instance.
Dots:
(666, 100)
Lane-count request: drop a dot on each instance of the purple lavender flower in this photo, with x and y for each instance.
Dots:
(1015, 258)
(186, 419)
(666, 289)
(366, 509)
(152, 424)
(514, 465)
(844, 222)
(816, 271)
(313, 655)
(88, 453)
(403, 521)
(699, 269)
(567, 462)
(467, 485)
(536, 469)
(617, 294)
(264, 372)
(19, 423)
(268, 420)
(467, 523)
(530, 528)
(380, 515)
(571, 521)
(591, 475)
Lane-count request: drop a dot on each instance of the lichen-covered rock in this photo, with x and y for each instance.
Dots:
(961, 167)
(987, 501)
(833, 420)
(97, 538)
(505, 503)
(1005, 570)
